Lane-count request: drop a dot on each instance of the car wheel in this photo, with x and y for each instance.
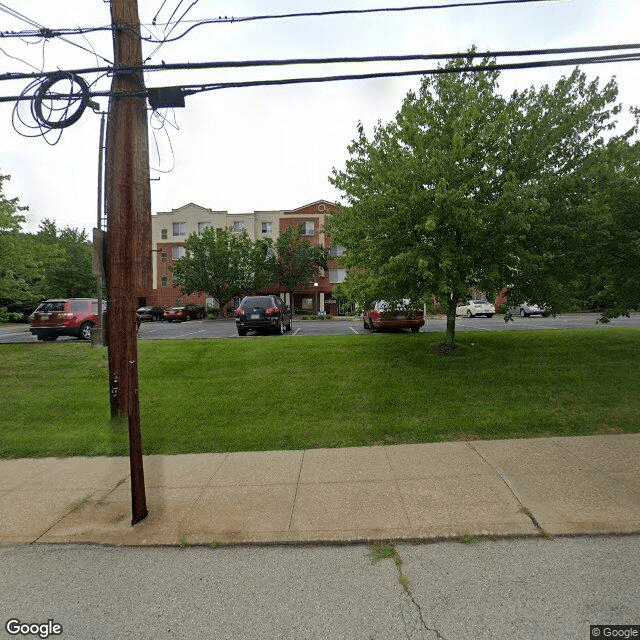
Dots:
(155, 318)
(85, 331)
(489, 315)
(522, 313)
(288, 326)
(242, 332)
(469, 314)
(280, 327)
(415, 329)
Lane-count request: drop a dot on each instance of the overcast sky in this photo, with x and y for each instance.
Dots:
(269, 148)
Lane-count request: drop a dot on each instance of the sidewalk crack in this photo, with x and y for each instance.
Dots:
(295, 495)
(523, 509)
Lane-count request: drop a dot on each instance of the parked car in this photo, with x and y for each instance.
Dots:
(473, 308)
(65, 317)
(150, 314)
(384, 315)
(525, 309)
(184, 313)
(263, 313)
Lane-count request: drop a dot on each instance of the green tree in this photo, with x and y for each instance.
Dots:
(223, 264)
(444, 198)
(589, 235)
(69, 261)
(20, 270)
(297, 260)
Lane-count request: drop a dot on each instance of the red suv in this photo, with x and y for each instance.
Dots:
(65, 317)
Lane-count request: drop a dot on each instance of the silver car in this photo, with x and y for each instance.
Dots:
(525, 310)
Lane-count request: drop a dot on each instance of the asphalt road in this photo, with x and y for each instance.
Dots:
(348, 326)
(527, 589)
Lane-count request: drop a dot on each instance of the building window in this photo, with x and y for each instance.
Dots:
(178, 252)
(267, 227)
(202, 226)
(238, 226)
(179, 228)
(307, 304)
(305, 228)
(163, 234)
(337, 250)
(163, 281)
(165, 256)
(337, 275)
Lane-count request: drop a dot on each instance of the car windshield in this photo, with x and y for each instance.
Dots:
(48, 307)
(259, 302)
(177, 308)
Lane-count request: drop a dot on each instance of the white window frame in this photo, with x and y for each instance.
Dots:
(178, 251)
(306, 227)
(202, 226)
(267, 227)
(179, 229)
(336, 276)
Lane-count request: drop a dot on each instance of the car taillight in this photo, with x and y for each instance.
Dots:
(239, 313)
(272, 311)
(376, 314)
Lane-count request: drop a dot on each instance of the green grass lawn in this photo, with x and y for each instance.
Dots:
(326, 391)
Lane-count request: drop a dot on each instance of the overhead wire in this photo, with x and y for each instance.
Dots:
(276, 16)
(237, 64)
(43, 30)
(190, 89)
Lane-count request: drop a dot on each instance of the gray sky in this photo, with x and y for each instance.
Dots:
(270, 148)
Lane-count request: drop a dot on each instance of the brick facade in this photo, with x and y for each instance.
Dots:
(171, 229)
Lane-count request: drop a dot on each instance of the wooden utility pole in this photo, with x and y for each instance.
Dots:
(128, 232)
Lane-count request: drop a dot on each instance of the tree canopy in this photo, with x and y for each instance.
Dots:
(223, 264)
(49, 263)
(464, 188)
(297, 260)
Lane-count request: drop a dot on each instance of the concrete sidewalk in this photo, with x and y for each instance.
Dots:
(577, 485)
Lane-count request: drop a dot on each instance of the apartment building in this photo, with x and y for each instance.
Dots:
(170, 230)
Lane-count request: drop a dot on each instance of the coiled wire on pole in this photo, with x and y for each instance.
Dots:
(51, 107)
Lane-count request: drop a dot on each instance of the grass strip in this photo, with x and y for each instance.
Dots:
(271, 393)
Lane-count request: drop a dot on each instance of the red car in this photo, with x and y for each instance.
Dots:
(65, 317)
(183, 313)
(384, 315)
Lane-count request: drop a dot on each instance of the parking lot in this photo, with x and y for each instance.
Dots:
(341, 326)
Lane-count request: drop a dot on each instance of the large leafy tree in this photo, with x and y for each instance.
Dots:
(69, 260)
(448, 196)
(223, 264)
(297, 260)
(20, 270)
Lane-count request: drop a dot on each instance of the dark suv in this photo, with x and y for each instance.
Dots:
(263, 313)
(65, 317)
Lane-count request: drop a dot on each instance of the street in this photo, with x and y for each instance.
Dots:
(521, 589)
(346, 326)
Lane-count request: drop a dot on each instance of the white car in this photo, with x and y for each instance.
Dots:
(473, 308)
(525, 309)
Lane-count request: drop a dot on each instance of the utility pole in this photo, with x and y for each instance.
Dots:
(128, 233)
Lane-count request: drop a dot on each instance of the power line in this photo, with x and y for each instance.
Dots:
(191, 89)
(277, 16)
(41, 30)
(237, 64)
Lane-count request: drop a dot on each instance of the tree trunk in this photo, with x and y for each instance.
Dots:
(450, 340)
